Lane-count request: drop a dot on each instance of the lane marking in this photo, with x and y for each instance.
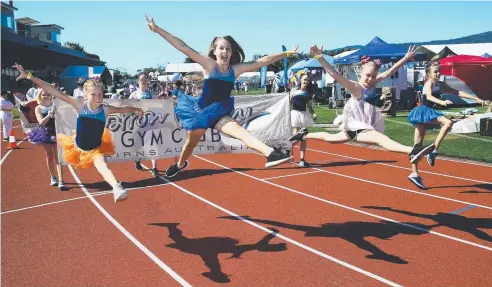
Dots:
(128, 235)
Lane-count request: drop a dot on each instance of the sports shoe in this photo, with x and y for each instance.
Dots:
(277, 157)
(174, 169)
(61, 186)
(431, 158)
(300, 135)
(417, 180)
(53, 181)
(304, 163)
(154, 172)
(418, 151)
(138, 166)
(119, 193)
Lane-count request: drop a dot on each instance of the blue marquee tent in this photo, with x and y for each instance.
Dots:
(310, 63)
(379, 49)
(71, 74)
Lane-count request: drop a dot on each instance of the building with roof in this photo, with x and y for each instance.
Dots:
(37, 47)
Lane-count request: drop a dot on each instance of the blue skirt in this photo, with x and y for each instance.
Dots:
(423, 114)
(194, 117)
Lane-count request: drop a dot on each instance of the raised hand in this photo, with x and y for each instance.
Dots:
(22, 73)
(315, 51)
(294, 50)
(151, 24)
(412, 51)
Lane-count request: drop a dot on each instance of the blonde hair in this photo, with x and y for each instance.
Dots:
(38, 96)
(90, 84)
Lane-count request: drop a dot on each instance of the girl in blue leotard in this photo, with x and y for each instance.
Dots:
(222, 66)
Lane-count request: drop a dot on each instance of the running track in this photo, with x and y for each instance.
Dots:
(352, 220)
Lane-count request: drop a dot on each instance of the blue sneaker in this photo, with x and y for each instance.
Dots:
(431, 158)
(417, 180)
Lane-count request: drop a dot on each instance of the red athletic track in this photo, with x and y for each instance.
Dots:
(73, 244)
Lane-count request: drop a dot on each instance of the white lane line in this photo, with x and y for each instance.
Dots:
(400, 167)
(288, 239)
(294, 174)
(97, 193)
(350, 208)
(142, 247)
(5, 156)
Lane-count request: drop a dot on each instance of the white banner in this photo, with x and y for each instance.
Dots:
(158, 133)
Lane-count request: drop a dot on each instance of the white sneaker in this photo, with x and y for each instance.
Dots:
(53, 181)
(119, 193)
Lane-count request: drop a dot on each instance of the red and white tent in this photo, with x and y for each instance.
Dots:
(475, 71)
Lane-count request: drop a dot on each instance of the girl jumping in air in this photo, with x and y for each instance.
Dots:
(222, 66)
(425, 114)
(362, 121)
(92, 141)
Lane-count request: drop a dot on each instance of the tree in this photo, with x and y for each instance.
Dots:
(189, 60)
(75, 46)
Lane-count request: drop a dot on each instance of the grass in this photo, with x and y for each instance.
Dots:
(469, 146)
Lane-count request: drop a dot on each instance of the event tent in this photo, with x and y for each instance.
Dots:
(310, 63)
(446, 52)
(475, 71)
(379, 49)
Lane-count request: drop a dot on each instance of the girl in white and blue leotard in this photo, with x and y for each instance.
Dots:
(300, 98)
(222, 66)
(362, 121)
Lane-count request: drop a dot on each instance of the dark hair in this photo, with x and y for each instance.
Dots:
(81, 81)
(237, 51)
(143, 74)
(178, 83)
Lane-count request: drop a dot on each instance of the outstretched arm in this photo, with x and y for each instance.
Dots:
(462, 94)
(47, 87)
(412, 51)
(207, 63)
(265, 61)
(346, 83)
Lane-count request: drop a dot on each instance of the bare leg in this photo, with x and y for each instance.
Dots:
(294, 131)
(418, 137)
(446, 126)
(232, 128)
(103, 169)
(50, 158)
(374, 137)
(303, 148)
(154, 163)
(58, 166)
(338, 138)
(191, 142)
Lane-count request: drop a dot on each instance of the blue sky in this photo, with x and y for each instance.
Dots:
(117, 32)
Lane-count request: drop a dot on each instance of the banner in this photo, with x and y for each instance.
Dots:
(286, 79)
(263, 75)
(158, 134)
